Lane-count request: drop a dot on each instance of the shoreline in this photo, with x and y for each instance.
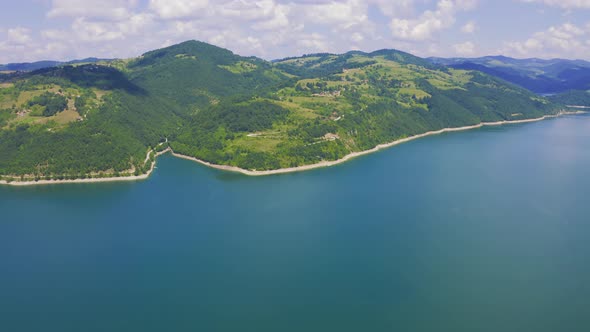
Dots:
(379, 147)
(321, 164)
(145, 176)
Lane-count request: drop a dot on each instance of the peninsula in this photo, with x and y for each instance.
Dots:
(94, 122)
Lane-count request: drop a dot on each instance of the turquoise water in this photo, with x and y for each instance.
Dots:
(486, 230)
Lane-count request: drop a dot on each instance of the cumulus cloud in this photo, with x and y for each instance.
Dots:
(554, 42)
(313, 42)
(397, 8)
(469, 27)
(464, 49)
(567, 4)
(357, 37)
(18, 36)
(430, 21)
(275, 28)
(95, 31)
(105, 9)
(176, 9)
(345, 14)
(264, 14)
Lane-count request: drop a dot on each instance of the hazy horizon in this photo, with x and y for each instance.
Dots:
(273, 29)
(305, 54)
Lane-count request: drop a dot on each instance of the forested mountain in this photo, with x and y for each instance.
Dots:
(207, 102)
(538, 75)
(30, 66)
(572, 98)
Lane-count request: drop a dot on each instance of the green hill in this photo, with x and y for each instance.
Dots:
(209, 103)
(538, 75)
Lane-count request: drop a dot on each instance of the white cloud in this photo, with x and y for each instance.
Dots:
(18, 36)
(567, 4)
(556, 41)
(397, 8)
(95, 31)
(273, 16)
(464, 49)
(55, 34)
(314, 42)
(136, 24)
(469, 27)
(105, 9)
(279, 28)
(357, 37)
(176, 9)
(431, 21)
(246, 10)
(346, 14)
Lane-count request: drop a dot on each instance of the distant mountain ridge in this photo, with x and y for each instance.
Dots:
(538, 75)
(30, 66)
(206, 102)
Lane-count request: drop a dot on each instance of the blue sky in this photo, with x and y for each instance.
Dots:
(32, 30)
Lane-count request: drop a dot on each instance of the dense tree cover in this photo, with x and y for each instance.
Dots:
(85, 102)
(537, 75)
(87, 76)
(115, 140)
(193, 75)
(243, 117)
(5, 115)
(209, 103)
(211, 129)
(325, 64)
(574, 97)
(404, 58)
(30, 66)
(311, 131)
(52, 103)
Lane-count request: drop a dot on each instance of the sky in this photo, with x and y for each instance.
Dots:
(32, 30)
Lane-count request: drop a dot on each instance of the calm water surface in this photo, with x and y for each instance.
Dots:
(486, 230)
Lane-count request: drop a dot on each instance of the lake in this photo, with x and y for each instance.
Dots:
(484, 230)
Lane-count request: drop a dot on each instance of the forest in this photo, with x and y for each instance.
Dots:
(209, 103)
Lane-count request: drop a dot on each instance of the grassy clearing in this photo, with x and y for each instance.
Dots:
(61, 118)
(419, 94)
(443, 85)
(69, 115)
(25, 96)
(120, 64)
(461, 77)
(301, 61)
(326, 61)
(240, 67)
(66, 117)
(298, 110)
(186, 56)
(259, 143)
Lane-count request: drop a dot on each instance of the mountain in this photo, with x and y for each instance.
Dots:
(538, 75)
(572, 98)
(30, 66)
(207, 102)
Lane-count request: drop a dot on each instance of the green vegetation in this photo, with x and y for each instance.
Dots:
(574, 97)
(50, 102)
(206, 102)
(537, 75)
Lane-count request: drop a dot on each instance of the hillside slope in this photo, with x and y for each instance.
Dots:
(209, 103)
(538, 75)
(340, 104)
(30, 66)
